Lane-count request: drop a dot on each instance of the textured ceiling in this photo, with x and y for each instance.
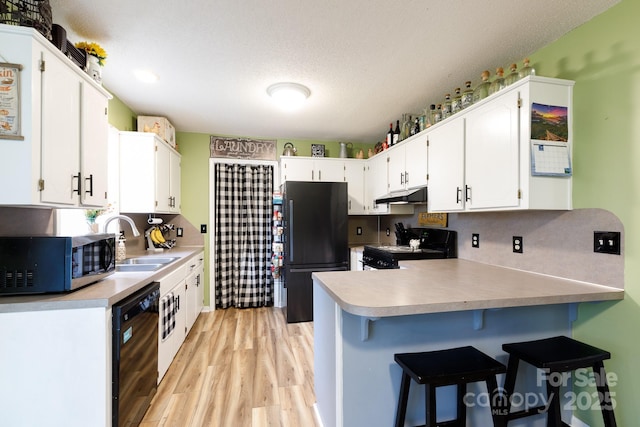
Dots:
(365, 61)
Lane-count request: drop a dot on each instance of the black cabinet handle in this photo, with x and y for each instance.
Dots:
(90, 179)
(458, 195)
(467, 193)
(79, 188)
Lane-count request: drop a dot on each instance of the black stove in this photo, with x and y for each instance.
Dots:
(435, 243)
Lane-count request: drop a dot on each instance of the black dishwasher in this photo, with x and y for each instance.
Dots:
(135, 355)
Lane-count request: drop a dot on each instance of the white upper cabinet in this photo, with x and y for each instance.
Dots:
(149, 174)
(491, 154)
(311, 169)
(446, 171)
(482, 159)
(407, 164)
(61, 159)
(354, 171)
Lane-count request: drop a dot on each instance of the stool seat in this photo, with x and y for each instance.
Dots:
(556, 355)
(450, 366)
(456, 366)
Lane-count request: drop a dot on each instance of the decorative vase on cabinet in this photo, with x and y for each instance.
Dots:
(94, 69)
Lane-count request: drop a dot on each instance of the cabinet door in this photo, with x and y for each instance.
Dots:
(163, 178)
(292, 169)
(354, 175)
(60, 132)
(492, 153)
(376, 183)
(416, 162)
(446, 167)
(94, 147)
(200, 287)
(329, 170)
(137, 172)
(174, 185)
(396, 168)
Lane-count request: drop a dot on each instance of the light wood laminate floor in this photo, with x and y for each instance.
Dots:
(240, 368)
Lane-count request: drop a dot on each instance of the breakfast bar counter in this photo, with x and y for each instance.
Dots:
(452, 285)
(362, 318)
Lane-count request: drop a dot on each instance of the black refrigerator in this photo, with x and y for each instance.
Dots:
(315, 239)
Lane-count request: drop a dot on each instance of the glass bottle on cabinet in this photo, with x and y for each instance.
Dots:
(467, 95)
(498, 83)
(456, 102)
(446, 106)
(513, 75)
(527, 70)
(482, 90)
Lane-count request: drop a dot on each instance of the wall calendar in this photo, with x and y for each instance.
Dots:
(550, 151)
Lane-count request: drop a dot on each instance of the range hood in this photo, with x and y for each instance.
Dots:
(413, 196)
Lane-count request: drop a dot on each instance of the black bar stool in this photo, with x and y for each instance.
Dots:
(556, 355)
(458, 366)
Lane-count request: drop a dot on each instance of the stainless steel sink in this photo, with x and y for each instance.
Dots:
(148, 260)
(137, 267)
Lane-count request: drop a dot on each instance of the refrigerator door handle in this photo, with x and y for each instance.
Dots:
(290, 228)
(317, 270)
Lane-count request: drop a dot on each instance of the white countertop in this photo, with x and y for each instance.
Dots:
(432, 286)
(103, 293)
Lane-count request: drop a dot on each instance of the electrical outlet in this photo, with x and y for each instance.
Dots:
(606, 242)
(179, 232)
(388, 232)
(475, 240)
(203, 228)
(517, 244)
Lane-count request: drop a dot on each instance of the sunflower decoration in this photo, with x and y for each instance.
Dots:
(94, 49)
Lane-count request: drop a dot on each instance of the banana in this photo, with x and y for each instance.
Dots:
(152, 234)
(158, 235)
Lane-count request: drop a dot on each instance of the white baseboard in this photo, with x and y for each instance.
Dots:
(575, 422)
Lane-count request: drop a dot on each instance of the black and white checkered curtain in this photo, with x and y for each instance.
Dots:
(243, 198)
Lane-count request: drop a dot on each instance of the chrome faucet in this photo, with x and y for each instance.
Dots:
(136, 233)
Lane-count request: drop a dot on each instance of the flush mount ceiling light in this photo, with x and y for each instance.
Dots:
(289, 96)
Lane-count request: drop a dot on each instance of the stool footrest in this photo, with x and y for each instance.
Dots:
(526, 413)
(445, 423)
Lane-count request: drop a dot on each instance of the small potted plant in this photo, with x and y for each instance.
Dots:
(96, 57)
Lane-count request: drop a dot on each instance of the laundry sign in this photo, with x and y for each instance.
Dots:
(242, 148)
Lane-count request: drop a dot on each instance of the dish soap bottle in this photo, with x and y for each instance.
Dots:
(121, 251)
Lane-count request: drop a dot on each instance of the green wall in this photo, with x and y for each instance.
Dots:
(121, 116)
(603, 57)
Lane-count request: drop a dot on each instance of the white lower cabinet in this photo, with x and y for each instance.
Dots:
(194, 288)
(173, 320)
(181, 301)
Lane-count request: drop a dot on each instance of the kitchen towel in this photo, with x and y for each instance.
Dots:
(169, 308)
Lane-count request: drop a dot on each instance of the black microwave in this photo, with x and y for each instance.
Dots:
(51, 264)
